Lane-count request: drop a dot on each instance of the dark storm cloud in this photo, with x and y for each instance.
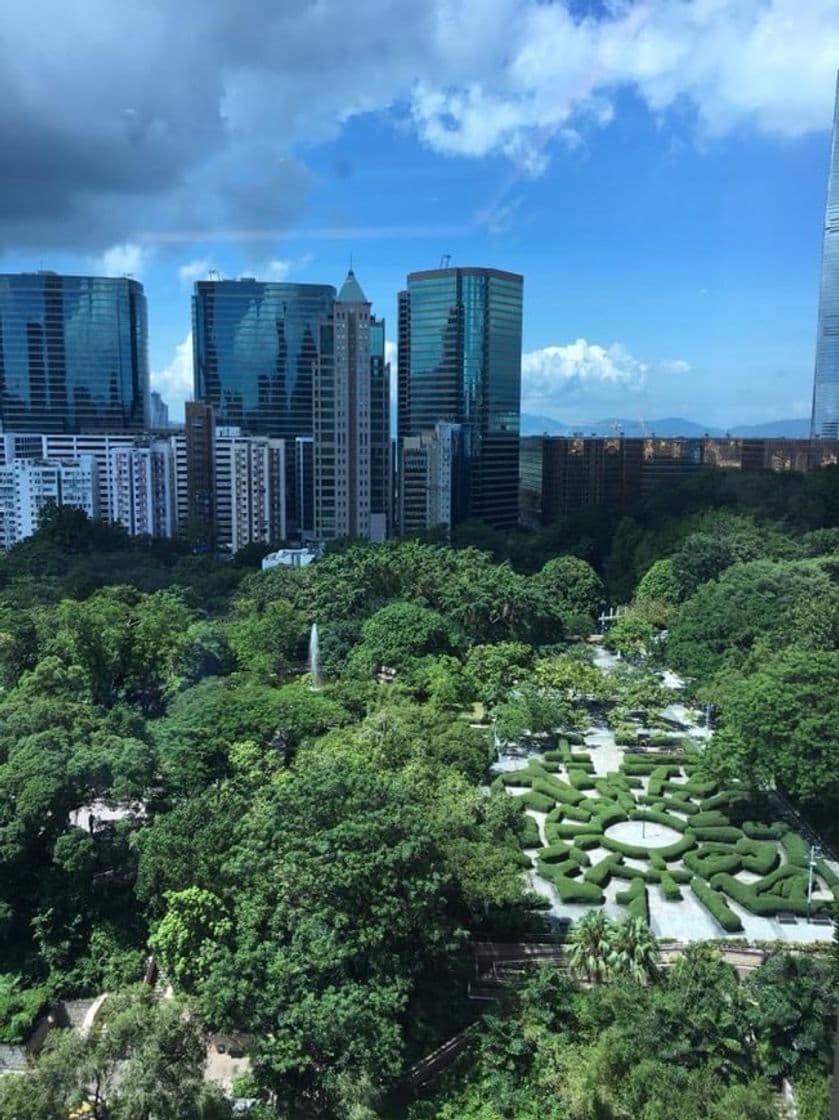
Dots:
(121, 118)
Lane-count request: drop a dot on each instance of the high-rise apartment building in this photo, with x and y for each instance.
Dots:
(142, 488)
(28, 485)
(459, 362)
(431, 475)
(249, 489)
(255, 350)
(73, 353)
(351, 421)
(158, 411)
(825, 422)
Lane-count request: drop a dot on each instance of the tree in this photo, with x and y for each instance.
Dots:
(266, 638)
(196, 922)
(142, 1058)
(633, 950)
(701, 558)
(400, 632)
(658, 592)
(575, 588)
(778, 724)
(629, 635)
(495, 669)
(590, 946)
(793, 1012)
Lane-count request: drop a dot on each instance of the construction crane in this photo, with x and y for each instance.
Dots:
(214, 274)
(445, 260)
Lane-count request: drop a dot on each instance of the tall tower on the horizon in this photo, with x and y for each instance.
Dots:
(460, 364)
(825, 420)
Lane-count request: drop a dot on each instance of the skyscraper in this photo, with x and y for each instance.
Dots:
(73, 353)
(460, 363)
(255, 348)
(351, 421)
(826, 381)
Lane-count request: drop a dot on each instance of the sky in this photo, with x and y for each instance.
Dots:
(655, 169)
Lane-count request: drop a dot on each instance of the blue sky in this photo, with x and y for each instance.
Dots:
(656, 171)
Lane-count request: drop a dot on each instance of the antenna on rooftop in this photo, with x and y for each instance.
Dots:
(445, 260)
(214, 274)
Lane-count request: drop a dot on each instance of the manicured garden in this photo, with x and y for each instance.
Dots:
(717, 843)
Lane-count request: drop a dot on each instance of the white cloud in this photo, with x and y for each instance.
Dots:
(675, 365)
(555, 375)
(194, 270)
(127, 259)
(174, 382)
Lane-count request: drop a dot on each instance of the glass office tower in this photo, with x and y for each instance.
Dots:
(255, 348)
(460, 363)
(73, 353)
(826, 381)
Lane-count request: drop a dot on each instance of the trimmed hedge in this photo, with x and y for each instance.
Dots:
(658, 777)
(518, 778)
(759, 856)
(716, 906)
(529, 832)
(537, 801)
(670, 888)
(634, 851)
(707, 863)
(765, 904)
(554, 756)
(710, 818)
(772, 883)
(576, 812)
(680, 805)
(725, 835)
(581, 757)
(761, 830)
(608, 815)
(724, 797)
(830, 877)
(602, 871)
(634, 898)
(797, 849)
(581, 779)
(554, 871)
(660, 818)
(574, 890)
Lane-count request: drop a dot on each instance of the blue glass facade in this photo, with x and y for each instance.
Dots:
(255, 347)
(826, 382)
(460, 362)
(73, 353)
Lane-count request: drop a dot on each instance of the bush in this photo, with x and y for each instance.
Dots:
(759, 856)
(765, 904)
(581, 757)
(681, 805)
(574, 890)
(692, 786)
(529, 832)
(670, 888)
(724, 798)
(609, 814)
(20, 1008)
(634, 898)
(562, 853)
(716, 906)
(775, 879)
(538, 801)
(710, 818)
(725, 835)
(635, 851)
(588, 840)
(658, 777)
(554, 871)
(830, 877)
(706, 863)
(581, 779)
(579, 812)
(518, 778)
(797, 849)
(761, 830)
(601, 872)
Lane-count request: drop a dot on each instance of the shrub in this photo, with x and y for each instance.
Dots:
(588, 840)
(523, 861)
(554, 871)
(681, 805)
(20, 1008)
(583, 757)
(759, 856)
(766, 904)
(573, 890)
(577, 812)
(659, 818)
(656, 861)
(553, 756)
(670, 888)
(602, 871)
(575, 738)
(658, 777)
(761, 830)
(581, 779)
(710, 818)
(830, 877)
(635, 851)
(723, 798)
(797, 849)
(707, 863)
(634, 898)
(556, 853)
(725, 835)
(529, 832)
(772, 883)
(608, 815)
(716, 906)
(537, 801)
(517, 778)
(570, 831)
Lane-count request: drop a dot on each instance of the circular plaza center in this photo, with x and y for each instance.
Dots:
(645, 834)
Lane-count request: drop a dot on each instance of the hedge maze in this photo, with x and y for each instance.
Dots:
(726, 847)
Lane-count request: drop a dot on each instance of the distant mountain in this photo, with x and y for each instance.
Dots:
(664, 426)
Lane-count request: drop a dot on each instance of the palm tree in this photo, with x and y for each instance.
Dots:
(590, 945)
(633, 950)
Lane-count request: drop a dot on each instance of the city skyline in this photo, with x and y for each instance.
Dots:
(656, 171)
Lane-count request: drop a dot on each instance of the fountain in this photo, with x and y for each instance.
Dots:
(314, 659)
